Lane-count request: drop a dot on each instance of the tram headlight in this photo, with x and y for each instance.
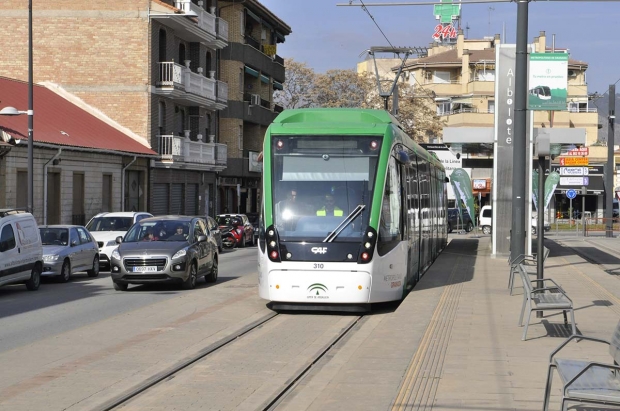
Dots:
(273, 248)
(367, 245)
(272, 244)
(274, 255)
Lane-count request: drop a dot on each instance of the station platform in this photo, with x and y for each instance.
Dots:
(471, 356)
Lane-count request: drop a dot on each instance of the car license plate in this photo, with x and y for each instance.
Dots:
(148, 269)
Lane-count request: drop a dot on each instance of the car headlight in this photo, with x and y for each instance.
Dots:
(116, 255)
(111, 243)
(50, 257)
(179, 254)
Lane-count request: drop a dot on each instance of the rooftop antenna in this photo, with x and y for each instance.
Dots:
(467, 30)
(491, 8)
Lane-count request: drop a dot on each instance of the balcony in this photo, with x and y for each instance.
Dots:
(193, 23)
(469, 117)
(179, 82)
(449, 88)
(181, 152)
(222, 30)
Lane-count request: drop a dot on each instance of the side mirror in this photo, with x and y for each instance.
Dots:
(119, 239)
(202, 238)
(73, 243)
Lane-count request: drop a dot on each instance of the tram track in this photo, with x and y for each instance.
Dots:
(271, 403)
(158, 378)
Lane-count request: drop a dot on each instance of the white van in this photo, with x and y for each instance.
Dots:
(21, 252)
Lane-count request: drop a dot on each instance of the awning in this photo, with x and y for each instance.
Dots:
(264, 78)
(269, 26)
(251, 71)
(462, 100)
(280, 36)
(277, 86)
(251, 14)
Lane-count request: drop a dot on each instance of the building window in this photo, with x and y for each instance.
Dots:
(491, 106)
(442, 77)
(443, 108)
(240, 137)
(182, 53)
(106, 193)
(209, 63)
(162, 45)
(161, 118)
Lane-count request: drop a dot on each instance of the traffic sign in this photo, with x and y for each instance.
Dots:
(573, 161)
(571, 193)
(573, 171)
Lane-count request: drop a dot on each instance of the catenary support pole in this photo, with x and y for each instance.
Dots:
(30, 116)
(517, 237)
(609, 174)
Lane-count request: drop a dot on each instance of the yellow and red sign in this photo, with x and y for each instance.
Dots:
(573, 161)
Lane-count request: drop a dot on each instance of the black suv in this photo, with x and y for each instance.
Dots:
(455, 223)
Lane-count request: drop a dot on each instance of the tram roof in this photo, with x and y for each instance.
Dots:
(334, 116)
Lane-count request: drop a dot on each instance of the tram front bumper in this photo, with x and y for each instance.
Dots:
(342, 287)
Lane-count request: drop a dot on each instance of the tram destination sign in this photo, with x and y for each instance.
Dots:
(573, 161)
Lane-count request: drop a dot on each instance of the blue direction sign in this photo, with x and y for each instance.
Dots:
(571, 193)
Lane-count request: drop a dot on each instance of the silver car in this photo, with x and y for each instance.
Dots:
(68, 249)
(174, 249)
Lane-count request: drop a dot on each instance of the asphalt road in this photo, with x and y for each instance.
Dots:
(28, 316)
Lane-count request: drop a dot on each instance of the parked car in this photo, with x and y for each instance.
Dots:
(245, 229)
(254, 220)
(215, 230)
(455, 223)
(21, 252)
(105, 227)
(486, 216)
(166, 249)
(68, 249)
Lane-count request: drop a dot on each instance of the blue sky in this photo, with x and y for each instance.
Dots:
(326, 36)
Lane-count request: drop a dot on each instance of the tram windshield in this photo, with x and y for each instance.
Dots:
(321, 181)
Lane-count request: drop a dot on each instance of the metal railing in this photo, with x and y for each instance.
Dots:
(170, 74)
(222, 91)
(206, 21)
(173, 148)
(222, 28)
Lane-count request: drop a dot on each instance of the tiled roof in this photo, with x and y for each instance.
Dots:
(58, 121)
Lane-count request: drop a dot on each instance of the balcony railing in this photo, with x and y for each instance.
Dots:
(175, 76)
(251, 42)
(222, 29)
(222, 91)
(175, 148)
(206, 21)
(278, 59)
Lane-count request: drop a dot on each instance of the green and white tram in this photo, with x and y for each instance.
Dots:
(353, 210)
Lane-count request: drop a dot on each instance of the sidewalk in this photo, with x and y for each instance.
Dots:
(487, 366)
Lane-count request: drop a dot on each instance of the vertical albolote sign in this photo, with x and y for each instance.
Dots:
(505, 57)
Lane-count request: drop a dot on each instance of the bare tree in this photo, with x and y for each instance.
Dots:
(343, 88)
(298, 88)
(417, 113)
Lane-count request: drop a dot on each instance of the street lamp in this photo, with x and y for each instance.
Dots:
(12, 111)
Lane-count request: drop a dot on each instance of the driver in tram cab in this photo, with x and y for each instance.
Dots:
(329, 209)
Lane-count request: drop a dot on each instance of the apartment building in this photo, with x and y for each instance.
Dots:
(151, 66)
(461, 78)
(253, 70)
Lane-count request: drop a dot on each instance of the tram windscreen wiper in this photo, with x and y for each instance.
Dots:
(331, 236)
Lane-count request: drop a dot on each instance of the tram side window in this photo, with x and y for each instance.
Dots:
(389, 225)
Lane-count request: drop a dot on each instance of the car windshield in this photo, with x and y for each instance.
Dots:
(109, 224)
(159, 230)
(54, 236)
(228, 220)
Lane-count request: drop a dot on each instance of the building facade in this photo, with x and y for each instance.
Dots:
(253, 70)
(152, 66)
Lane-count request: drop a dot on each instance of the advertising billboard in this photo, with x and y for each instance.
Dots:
(548, 81)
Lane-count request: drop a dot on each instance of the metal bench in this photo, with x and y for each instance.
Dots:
(546, 298)
(587, 382)
(528, 261)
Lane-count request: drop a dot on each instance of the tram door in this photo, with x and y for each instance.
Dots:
(425, 217)
(413, 266)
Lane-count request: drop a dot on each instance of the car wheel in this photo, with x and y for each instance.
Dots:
(469, 227)
(95, 271)
(120, 286)
(243, 244)
(212, 276)
(190, 283)
(65, 272)
(486, 229)
(449, 227)
(35, 278)
(219, 248)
